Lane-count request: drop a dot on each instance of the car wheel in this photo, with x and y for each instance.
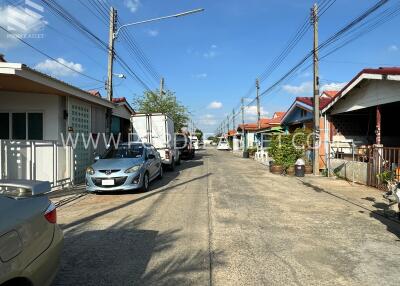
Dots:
(146, 182)
(179, 161)
(172, 165)
(160, 173)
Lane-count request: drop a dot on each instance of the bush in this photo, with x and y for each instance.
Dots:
(252, 150)
(285, 149)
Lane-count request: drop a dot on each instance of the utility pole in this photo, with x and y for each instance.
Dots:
(244, 140)
(233, 120)
(227, 124)
(258, 103)
(314, 21)
(113, 16)
(161, 87)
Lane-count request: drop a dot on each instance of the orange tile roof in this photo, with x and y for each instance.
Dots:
(94, 92)
(330, 93)
(232, 132)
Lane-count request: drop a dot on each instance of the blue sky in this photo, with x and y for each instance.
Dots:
(210, 59)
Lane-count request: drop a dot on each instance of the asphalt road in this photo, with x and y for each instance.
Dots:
(224, 220)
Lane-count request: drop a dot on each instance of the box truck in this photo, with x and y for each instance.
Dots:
(158, 130)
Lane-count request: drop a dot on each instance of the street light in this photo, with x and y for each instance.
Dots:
(119, 75)
(115, 35)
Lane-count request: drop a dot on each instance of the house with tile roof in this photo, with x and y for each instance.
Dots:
(300, 116)
(38, 114)
(363, 118)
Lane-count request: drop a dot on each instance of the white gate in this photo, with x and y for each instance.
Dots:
(36, 160)
(80, 121)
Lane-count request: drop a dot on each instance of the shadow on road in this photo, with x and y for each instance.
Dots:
(120, 255)
(150, 194)
(392, 224)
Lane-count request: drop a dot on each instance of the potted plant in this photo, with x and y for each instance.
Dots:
(284, 153)
(386, 178)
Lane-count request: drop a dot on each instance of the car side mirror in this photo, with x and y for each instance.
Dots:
(151, 156)
(97, 158)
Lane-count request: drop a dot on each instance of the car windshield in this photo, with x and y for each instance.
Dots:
(124, 151)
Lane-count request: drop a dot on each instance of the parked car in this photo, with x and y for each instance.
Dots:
(129, 166)
(30, 239)
(223, 144)
(157, 129)
(185, 147)
(201, 144)
(195, 142)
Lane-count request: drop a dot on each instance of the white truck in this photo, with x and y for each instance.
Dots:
(158, 130)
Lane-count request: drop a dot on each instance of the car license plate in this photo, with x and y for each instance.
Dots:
(107, 182)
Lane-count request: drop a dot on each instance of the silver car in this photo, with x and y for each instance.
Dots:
(30, 239)
(126, 167)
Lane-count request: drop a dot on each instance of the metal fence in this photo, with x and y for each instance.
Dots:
(363, 164)
(37, 160)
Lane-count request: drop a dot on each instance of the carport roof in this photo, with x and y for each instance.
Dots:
(21, 78)
(390, 73)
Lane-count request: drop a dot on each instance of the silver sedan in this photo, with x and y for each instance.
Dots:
(30, 239)
(126, 167)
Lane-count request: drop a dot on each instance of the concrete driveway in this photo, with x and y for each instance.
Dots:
(225, 220)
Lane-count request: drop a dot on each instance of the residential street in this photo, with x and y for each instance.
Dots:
(224, 220)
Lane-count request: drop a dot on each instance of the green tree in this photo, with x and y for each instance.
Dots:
(153, 102)
(199, 134)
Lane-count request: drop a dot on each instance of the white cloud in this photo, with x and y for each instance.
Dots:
(19, 21)
(252, 110)
(56, 69)
(215, 105)
(333, 86)
(200, 75)
(211, 53)
(303, 88)
(208, 120)
(132, 5)
(393, 48)
(153, 33)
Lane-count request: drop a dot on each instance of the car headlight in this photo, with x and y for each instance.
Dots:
(89, 171)
(134, 169)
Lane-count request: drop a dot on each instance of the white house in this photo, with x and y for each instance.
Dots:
(362, 126)
(36, 112)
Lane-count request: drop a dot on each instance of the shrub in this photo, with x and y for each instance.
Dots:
(284, 152)
(252, 150)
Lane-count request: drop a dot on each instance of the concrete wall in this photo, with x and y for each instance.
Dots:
(47, 104)
(352, 171)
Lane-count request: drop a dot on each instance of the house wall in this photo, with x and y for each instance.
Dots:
(371, 93)
(51, 106)
(296, 117)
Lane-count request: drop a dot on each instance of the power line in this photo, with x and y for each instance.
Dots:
(60, 11)
(48, 56)
(345, 31)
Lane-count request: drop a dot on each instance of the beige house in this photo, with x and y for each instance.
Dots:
(36, 113)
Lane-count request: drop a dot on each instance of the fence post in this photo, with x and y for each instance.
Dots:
(329, 159)
(352, 148)
(1, 159)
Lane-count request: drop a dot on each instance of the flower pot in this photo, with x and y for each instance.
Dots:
(290, 171)
(308, 169)
(276, 169)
